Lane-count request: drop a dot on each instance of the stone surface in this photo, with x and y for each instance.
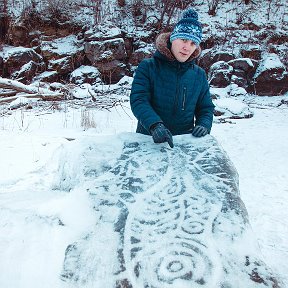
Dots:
(212, 56)
(271, 77)
(166, 218)
(107, 50)
(85, 74)
(220, 74)
(21, 63)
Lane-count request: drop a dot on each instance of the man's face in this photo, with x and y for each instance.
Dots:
(182, 49)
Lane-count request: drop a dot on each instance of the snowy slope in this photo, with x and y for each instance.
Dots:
(40, 219)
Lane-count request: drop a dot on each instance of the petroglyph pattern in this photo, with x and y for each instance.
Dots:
(167, 218)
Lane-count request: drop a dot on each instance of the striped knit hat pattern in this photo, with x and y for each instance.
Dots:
(188, 28)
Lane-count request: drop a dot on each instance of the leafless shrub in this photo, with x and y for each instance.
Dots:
(58, 10)
(97, 10)
(87, 120)
(168, 9)
(242, 15)
(139, 11)
(213, 6)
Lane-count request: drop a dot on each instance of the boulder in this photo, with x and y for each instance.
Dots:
(245, 64)
(85, 74)
(1, 66)
(144, 51)
(47, 76)
(243, 71)
(173, 217)
(239, 78)
(230, 108)
(21, 63)
(62, 65)
(271, 77)
(18, 35)
(25, 73)
(112, 71)
(106, 50)
(220, 74)
(108, 56)
(63, 47)
(102, 32)
(251, 52)
(211, 56)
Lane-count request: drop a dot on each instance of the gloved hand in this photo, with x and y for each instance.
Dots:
(161, 134)
(199, 131)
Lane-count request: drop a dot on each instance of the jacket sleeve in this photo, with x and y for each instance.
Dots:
(204, 107)
(140, 96)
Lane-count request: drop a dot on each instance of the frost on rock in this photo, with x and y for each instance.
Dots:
(166, 218)
(61, 47)
(85, 74)
(271, 77)
(232, 108)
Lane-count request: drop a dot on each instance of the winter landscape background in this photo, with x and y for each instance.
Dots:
(38, 219)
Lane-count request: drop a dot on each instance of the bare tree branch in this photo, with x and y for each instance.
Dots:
(31, 91)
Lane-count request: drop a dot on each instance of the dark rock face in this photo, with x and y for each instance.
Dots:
(253, 52)
(243, 71)
(108, 56)
(62, 66)
(165, 218)
(213, 56)
(116, 52)
(1, 66)
(107, 50)
(137, 56)
(19, 35)
(220, 74)
(85, 74)
(22, 64)
(271, 77)
(266, 77)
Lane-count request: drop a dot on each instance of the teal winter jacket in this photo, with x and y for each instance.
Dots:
(166, 90)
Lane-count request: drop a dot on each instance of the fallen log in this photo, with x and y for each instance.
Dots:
(7, 93)
(45, 97)
(31, 91)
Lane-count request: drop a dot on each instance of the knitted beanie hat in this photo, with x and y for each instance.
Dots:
(188, 27)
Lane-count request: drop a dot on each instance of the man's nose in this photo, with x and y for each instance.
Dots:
(186, 46)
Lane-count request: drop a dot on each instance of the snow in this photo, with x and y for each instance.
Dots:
(11, 50)
(41, 161)
(21, 101)
(105, 32)
(64, 46)
(232, 107)
(78, 74)
(44, 208)
(269, 62)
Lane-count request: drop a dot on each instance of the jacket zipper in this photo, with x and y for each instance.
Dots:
(184, 98)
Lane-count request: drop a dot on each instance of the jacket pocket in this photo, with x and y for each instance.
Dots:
(184, 97)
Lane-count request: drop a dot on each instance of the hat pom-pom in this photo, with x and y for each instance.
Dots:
(190, 13)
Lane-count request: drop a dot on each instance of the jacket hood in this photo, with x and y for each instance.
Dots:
(162, 42)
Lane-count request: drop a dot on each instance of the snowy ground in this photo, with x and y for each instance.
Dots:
(32, 239)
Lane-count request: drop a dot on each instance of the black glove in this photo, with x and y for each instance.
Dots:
(161, 134)
(199, 131)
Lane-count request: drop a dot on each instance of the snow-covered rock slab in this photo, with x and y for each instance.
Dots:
(165, 217)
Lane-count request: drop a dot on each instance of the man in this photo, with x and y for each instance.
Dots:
(170, 93)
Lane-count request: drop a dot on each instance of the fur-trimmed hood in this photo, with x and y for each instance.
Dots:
(162, 46)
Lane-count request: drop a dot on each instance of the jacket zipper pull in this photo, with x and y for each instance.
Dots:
(184, 98)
